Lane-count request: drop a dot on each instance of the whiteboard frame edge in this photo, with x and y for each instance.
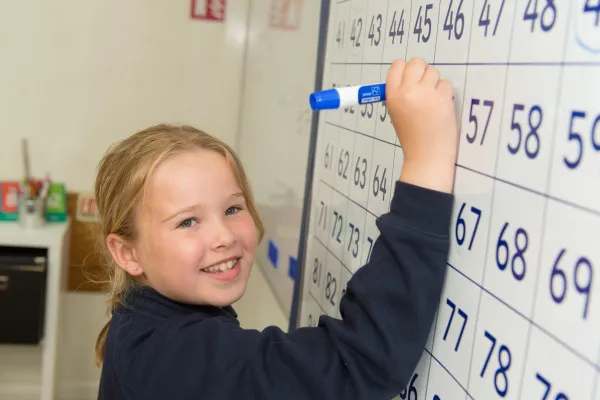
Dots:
(312, 148)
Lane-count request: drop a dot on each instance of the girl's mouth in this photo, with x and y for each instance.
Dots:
(224, 271)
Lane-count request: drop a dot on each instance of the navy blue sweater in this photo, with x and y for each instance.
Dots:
(158, 349)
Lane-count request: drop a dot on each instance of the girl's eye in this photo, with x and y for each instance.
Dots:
(232, 210)
(186, 223)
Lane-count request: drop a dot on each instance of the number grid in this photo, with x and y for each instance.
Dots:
(502, 392)
(518, 317)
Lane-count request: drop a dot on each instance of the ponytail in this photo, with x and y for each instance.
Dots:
(113, 302)
(100, 342)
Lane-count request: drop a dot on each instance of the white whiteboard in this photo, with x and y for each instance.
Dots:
(275, 130)
(519, 316)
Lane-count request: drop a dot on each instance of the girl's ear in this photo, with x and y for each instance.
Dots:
(124, 254)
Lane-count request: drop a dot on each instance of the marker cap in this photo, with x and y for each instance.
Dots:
(325, 100)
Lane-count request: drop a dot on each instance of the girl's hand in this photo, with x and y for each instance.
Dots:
(421, 107)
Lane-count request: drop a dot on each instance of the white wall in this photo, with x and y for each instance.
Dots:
(77, 75)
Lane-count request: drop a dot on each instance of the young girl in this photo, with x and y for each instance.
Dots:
(180, 229)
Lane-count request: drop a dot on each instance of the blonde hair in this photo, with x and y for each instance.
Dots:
(120, 187)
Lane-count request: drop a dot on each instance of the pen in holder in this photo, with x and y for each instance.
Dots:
(32, 211)
(32, 203)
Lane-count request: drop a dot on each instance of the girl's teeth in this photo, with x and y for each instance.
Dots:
(222, 266)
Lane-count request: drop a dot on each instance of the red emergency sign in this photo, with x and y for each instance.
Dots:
(211, 10)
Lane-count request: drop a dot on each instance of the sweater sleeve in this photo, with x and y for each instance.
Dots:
(387, 312)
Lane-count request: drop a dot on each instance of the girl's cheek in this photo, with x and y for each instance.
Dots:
(188, 245)
(247, 229)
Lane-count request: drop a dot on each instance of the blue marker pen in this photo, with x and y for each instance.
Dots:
(331, 99)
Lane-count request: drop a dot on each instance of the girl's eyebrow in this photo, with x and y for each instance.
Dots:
(193, 207)
(181, 211)
(239, 194)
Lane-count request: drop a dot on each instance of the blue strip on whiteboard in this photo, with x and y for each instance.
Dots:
(292, 268)
(273, 253)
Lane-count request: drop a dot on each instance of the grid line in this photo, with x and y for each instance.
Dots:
(494, 63)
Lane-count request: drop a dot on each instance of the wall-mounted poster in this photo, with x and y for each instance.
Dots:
(285, 14)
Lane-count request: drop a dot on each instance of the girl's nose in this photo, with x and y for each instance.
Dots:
(224, 236)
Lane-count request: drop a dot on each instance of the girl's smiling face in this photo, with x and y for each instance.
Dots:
(196, 238)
